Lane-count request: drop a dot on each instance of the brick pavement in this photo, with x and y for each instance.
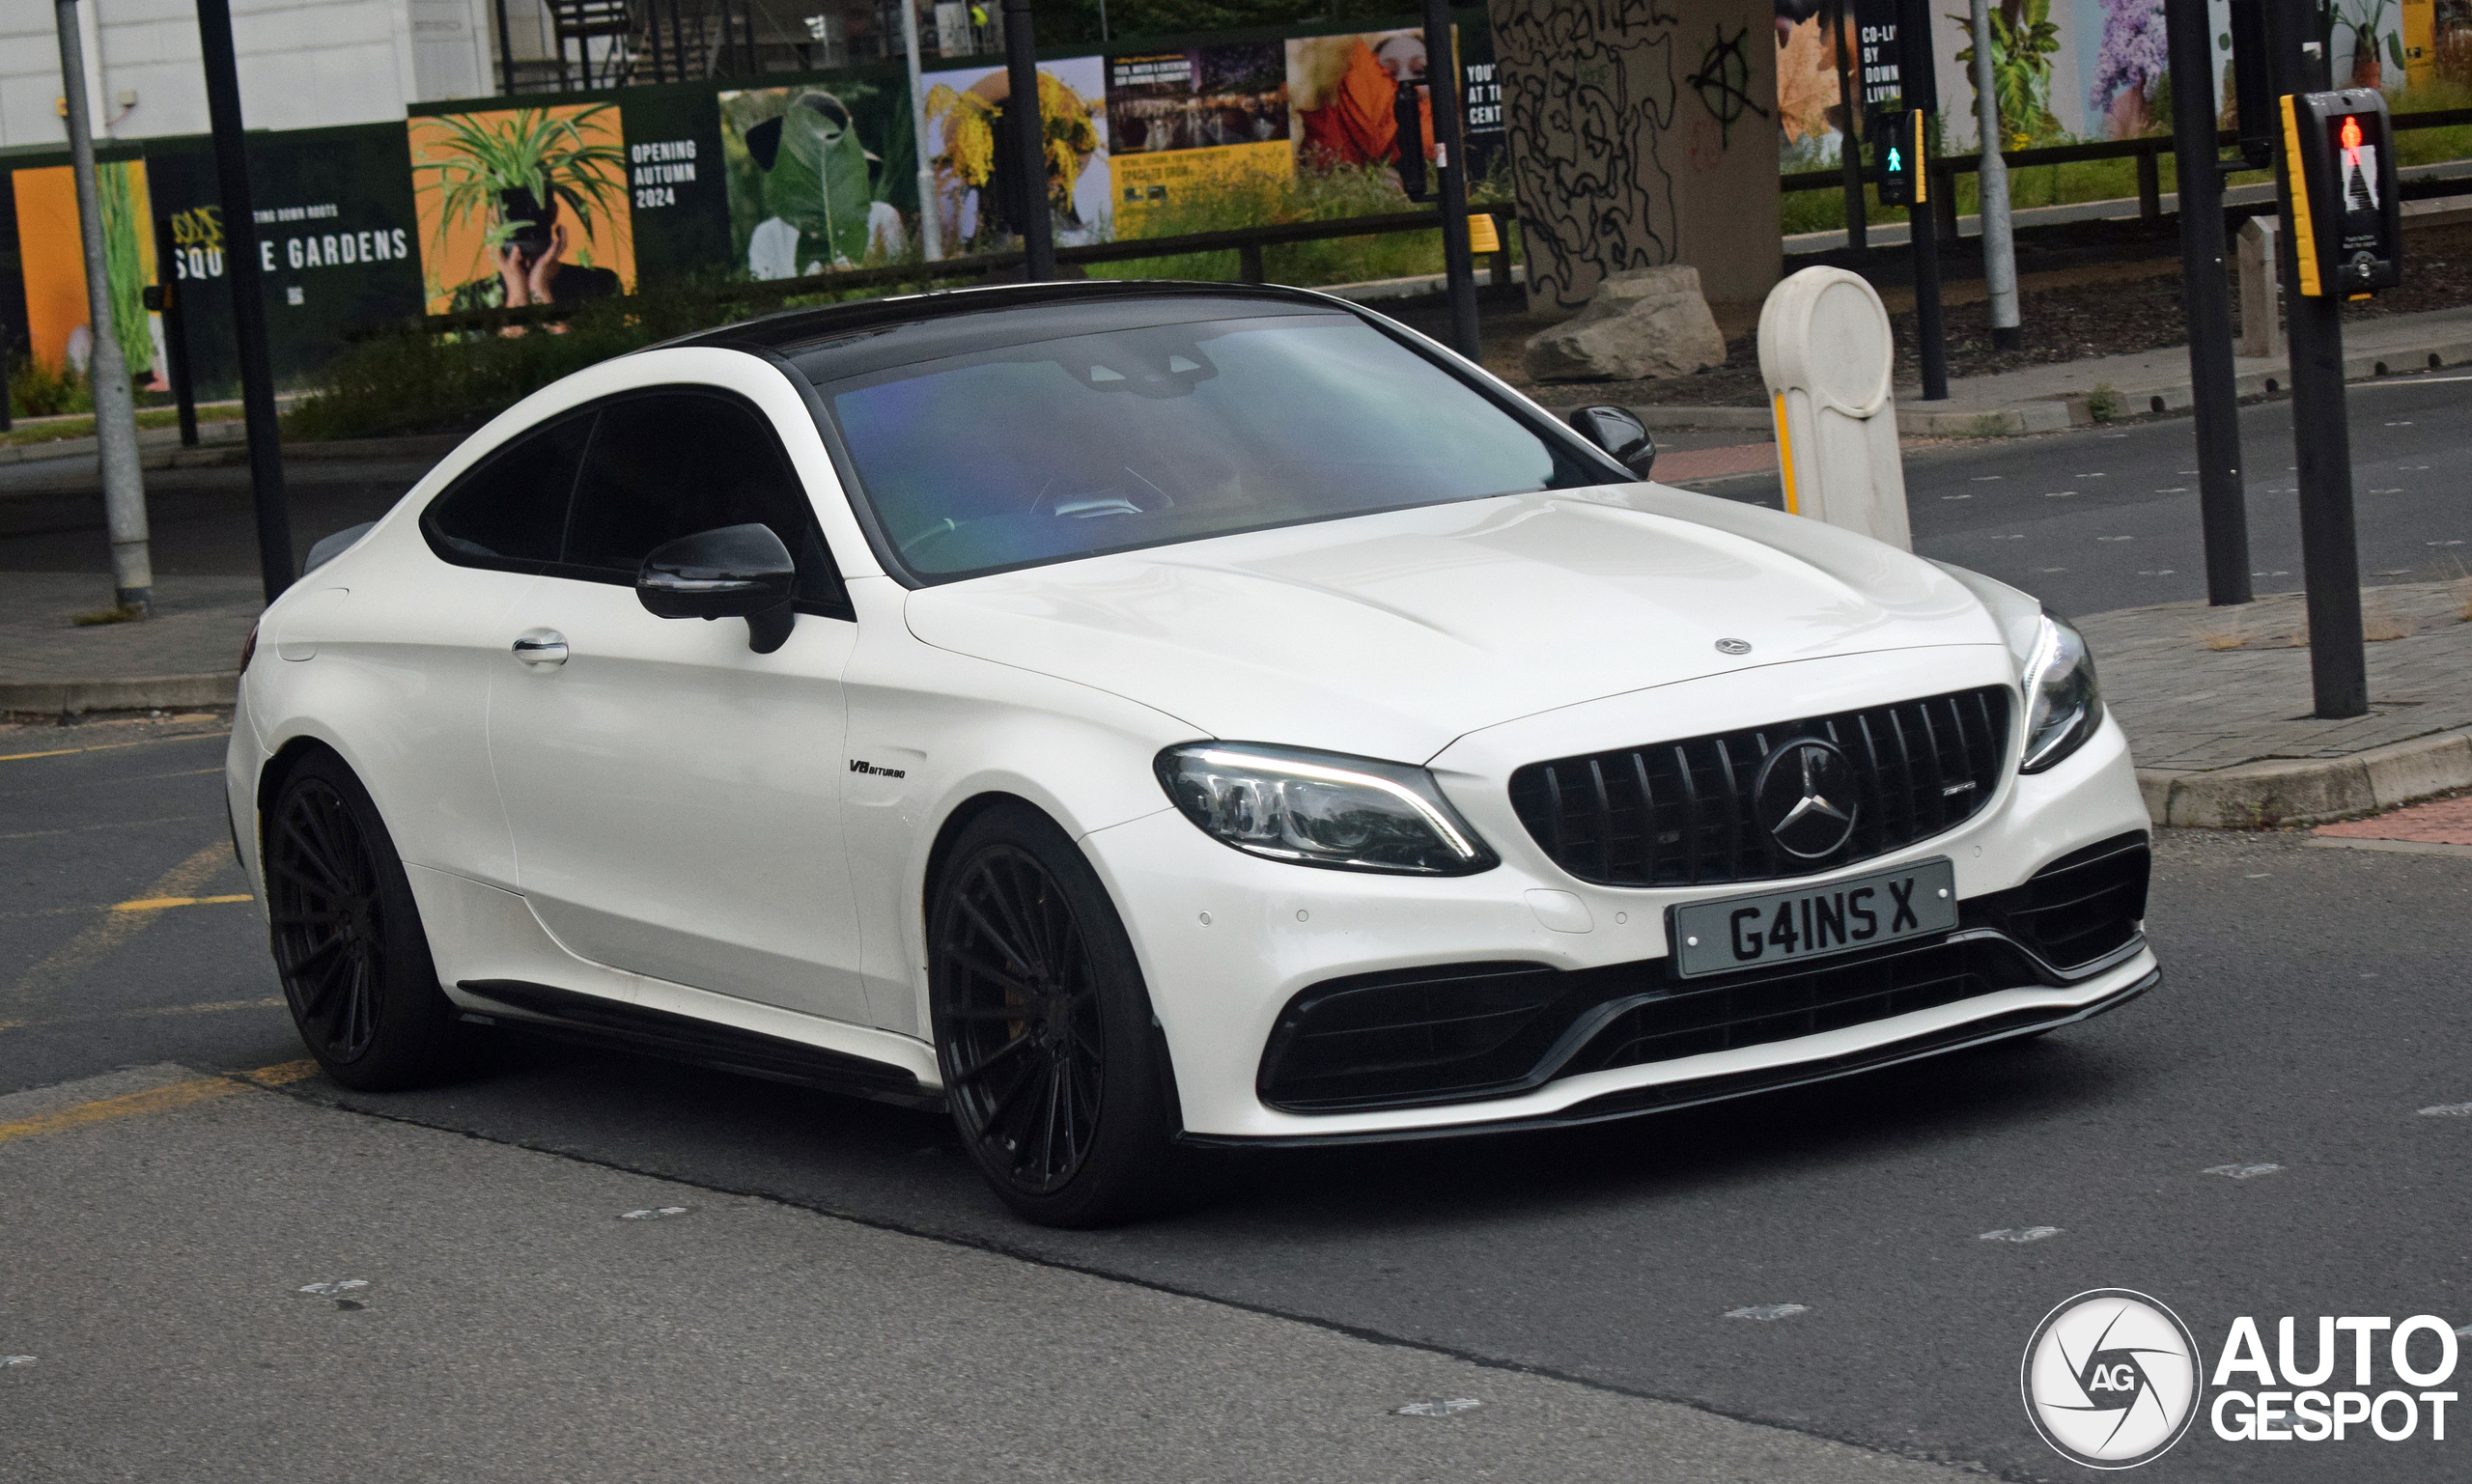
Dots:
(2191, 707)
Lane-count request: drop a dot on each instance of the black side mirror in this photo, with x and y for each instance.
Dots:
(1619, 433)
(737, 572)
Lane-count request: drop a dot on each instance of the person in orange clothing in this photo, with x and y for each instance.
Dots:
(1345, 90)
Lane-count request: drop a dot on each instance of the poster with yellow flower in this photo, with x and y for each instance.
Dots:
(968, 143)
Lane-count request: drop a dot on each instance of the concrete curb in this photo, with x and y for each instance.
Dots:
(156, 693)
(2308, 791)
(159, 448)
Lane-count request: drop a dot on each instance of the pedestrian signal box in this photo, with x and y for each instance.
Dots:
(2347, 222)
(1903, 179)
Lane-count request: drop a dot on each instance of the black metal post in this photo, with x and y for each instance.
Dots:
(2223, 510)
(1849, 147)
(1932, 342)
(2320, 428)
(243, 276)
(1029, 136)
(172, 304)
(1441, 88)
(506, 54)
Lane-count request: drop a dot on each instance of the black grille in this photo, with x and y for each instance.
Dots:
(2079, 907)
(1754, 1010)
(1466, 1032)
(1679, 813)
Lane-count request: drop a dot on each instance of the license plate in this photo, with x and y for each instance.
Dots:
(1815, 922)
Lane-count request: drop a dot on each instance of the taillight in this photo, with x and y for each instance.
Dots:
(249, 648)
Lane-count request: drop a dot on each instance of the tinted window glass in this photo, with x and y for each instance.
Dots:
(1165, 433)
(510, 511)
(674, 463)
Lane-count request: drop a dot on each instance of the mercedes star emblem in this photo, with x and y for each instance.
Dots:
(1805, 797)
(1733, 646)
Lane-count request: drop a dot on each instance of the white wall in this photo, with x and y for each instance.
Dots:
(303, 63)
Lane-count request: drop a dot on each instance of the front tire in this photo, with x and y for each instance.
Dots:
(346, 934)
(1051, 1063)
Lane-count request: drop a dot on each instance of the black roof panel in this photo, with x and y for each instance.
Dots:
(842, 340)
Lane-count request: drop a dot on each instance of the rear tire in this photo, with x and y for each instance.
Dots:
(347, 936)
(1053, 1064)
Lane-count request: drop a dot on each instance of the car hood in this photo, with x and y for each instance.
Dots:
(1390, 634)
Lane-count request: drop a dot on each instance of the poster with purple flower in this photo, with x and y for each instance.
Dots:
(2133, 59)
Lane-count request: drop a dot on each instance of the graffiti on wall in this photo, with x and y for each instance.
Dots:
(1724, 82)
(1593, 85)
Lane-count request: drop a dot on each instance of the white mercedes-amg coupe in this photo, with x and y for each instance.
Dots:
(1144, 715)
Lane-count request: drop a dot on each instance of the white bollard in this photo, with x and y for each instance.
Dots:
(2261, 298)
(1826, 354)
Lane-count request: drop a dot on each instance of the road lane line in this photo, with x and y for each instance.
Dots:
(91, 946)
(150, 742)
(146, 1013)
(54, 788)
(78, 829)
(155, 1100)
(157, 903)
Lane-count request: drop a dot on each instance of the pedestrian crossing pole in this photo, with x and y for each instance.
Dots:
(2320, 426)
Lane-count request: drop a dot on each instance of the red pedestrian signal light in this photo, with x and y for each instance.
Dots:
(2346, 217)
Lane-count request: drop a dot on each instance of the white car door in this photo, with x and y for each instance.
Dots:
(674, 795)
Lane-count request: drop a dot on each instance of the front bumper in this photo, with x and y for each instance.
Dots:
(1228, 941)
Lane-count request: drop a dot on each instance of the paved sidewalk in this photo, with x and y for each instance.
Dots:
(2048, 399)
(188, 654)
(2216, 702)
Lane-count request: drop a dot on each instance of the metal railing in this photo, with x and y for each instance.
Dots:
(2147, 151)
(1247, 242)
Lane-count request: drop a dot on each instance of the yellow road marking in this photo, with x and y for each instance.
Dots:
(155, 1100)
(89, 947)
(157, 903)
(147, 1013)
(62, 753)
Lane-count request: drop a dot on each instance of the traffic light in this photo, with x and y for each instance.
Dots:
(1897, 150)
(2347, 222)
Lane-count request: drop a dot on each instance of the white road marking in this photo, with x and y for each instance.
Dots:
(2021, 1234)
(1767, 1311)
(1442, 1408)
(653, 1212)
(338, 1286)
(2448, 1110)
(2240, 1171)
(2115, 537)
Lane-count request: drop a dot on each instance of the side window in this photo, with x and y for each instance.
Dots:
(675, 462)
(509, 511)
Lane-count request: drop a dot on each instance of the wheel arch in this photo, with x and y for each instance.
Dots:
(938, 854)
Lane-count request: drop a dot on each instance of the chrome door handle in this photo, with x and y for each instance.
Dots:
(540, 647)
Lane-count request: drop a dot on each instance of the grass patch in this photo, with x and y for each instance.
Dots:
(1319, 195)
(52, 428)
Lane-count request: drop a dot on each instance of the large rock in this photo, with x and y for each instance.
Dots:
(1638, 325)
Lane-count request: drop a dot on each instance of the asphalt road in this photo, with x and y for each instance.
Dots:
(2311, 1004)
(2107, 518)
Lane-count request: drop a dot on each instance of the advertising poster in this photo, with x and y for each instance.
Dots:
(821, 175)
(338, 246)
(969, 146)
(53, 268)
(1182, 126)
(1343, 96)
(522, 206)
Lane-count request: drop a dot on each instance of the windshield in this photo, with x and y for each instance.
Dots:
(1135, 437)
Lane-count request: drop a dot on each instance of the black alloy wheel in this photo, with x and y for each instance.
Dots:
(1044, 1037)
(347, 936)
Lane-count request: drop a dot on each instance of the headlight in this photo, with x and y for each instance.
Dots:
(2064, 706)
(1322, 809)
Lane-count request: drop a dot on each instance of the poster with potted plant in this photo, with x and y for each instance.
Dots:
(522, 206)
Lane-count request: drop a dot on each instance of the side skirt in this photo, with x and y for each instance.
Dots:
(597, 1021)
